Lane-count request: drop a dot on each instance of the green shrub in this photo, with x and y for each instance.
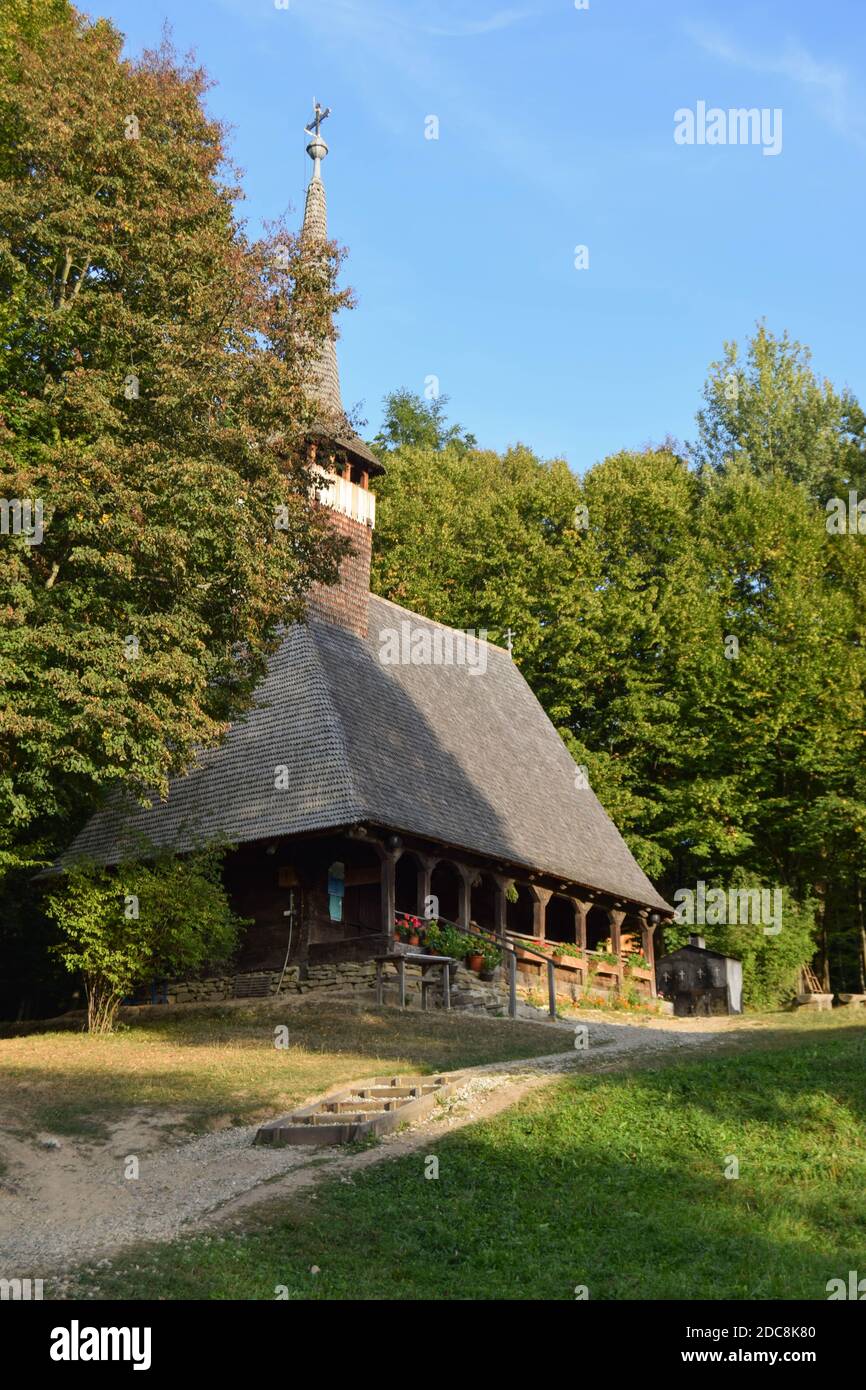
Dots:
(122, 927)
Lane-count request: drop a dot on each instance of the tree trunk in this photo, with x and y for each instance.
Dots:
(862, 936)
(103, 1003)
(821, 891)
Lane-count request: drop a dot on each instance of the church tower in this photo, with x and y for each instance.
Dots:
(346, 465)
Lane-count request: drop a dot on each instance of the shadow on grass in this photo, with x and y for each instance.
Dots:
(224, 1066)
(616, 1182)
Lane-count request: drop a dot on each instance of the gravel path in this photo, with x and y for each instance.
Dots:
(62, 1201)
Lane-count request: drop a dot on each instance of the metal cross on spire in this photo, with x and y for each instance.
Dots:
(317, 149)
(320, 114)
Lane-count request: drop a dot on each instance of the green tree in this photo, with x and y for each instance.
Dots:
(120, 928)
(696, 637)
(410, 420)
(648, 621)
(479, 540)
(788, 716)
(765, 408)
(592, 582)
(152, 403)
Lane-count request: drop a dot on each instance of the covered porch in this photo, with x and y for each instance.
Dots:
(336, 896)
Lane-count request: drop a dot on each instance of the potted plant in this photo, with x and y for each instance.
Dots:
(433, 939)
(462, 945)
(492, 956)
(475, 956)
(562, 949)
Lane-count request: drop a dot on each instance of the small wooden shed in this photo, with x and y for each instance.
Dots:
(700, 981)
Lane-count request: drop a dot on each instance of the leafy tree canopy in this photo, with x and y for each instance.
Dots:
(766, 409)
(694, 633)
(151, 417)
(412, 420)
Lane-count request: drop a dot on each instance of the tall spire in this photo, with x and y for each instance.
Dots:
(324, 372)
(324, 383)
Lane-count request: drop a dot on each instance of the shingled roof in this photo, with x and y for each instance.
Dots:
(467, 759)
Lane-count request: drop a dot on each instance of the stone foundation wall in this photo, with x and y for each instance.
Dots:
(358, 979)
(218, 987)
(468, 991)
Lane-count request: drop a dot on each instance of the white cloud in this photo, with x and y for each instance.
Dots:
(469, 28)
(827, 85)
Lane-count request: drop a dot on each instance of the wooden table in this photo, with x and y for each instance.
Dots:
(427, 964)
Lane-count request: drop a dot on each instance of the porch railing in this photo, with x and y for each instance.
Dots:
(510, 943)
(504, 942)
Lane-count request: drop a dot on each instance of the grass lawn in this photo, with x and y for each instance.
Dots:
(614, 1181)
(204, 1067)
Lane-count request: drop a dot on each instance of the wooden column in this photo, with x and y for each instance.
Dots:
(511, 962)
(426, 865)
(464, 899)
(647, 936)
(388, 887)
(500, 905)
(551, 989)
(581, 911)
(616, 917)
(540, 898)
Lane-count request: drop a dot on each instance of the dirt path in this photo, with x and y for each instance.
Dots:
(64, 1201)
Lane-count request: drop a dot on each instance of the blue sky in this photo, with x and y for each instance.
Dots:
(556, 130)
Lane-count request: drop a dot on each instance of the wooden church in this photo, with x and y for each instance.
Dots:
(388, 759)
